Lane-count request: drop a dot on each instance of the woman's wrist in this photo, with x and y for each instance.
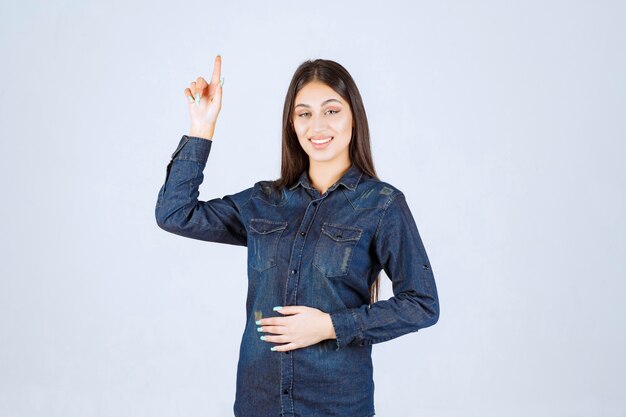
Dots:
(204, 132)
(331, 328)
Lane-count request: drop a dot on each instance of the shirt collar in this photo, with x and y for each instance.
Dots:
(349, 180)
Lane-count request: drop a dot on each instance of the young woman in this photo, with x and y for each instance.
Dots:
(317, 239)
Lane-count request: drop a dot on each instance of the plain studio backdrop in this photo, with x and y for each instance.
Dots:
(503, 122)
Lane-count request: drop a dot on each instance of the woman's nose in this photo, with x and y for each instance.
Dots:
(319, 123)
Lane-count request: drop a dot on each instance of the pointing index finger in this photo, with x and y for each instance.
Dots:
(217, 70)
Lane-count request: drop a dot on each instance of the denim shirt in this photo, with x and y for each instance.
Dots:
(317, 250)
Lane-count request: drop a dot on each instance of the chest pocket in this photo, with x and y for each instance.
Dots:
(263, 236)
(334, 249)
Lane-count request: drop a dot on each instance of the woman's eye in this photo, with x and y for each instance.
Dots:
(334, 112)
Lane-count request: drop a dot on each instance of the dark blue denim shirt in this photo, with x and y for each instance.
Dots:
(317, 250)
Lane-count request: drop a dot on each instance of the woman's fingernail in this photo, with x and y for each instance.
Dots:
(198, 99)
(262, 337)
(277, 308)
(258, 329)
(258, 322)
(272, 348)
(222, 81)
(190, 99)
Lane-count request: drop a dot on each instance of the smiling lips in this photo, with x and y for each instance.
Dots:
(320, 142)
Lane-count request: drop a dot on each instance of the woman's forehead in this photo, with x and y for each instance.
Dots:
(317, 94)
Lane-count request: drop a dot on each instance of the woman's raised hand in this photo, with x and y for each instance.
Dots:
(205, 102)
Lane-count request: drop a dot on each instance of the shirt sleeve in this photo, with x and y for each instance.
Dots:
(178, 210)
(415, 304)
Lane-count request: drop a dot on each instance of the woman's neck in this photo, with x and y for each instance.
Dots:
(324, 174)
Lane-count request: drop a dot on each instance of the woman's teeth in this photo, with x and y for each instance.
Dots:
(320, 141)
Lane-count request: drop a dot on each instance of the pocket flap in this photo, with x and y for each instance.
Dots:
(341, 233)
(264, 226)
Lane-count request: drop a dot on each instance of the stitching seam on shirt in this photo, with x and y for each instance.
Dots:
(387, 204)
(359, 328)
(247, 201)
(189, 158)
(189, 183)
(282, 408)
(293, 411)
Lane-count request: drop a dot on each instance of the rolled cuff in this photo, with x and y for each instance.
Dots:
(192, 148)
(345, 324)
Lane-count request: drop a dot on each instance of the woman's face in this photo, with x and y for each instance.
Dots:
(320, 113)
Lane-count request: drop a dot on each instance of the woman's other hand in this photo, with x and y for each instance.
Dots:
(205, 102)
(302, 326)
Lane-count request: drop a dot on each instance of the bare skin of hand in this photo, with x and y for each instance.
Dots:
(300, 327)
(205, 102)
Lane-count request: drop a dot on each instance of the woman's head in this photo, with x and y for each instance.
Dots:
(321, 115)
(322, 100)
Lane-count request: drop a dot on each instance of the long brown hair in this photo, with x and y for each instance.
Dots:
(294, 159)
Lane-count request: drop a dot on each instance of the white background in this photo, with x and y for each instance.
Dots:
(503, 123)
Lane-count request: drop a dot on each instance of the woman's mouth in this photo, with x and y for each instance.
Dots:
(321, 143)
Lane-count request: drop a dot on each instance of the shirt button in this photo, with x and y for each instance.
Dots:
(286, 391)
(293, 271)
(302, 233)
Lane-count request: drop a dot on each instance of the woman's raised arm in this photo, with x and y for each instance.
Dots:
(177, 208)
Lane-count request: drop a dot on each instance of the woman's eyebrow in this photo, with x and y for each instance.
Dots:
(306, 105)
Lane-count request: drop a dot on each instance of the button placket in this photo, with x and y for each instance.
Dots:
(286, 362)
